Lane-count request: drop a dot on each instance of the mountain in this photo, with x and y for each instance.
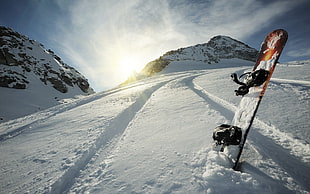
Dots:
(33, 78)
(200, 56)
(217, 49)
(155, 136)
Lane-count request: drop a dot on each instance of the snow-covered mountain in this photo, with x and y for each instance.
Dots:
(217, 49)
(33, 78)
(199, 56)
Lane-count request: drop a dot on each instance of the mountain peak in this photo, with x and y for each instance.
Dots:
(220, 41)
(217, 48)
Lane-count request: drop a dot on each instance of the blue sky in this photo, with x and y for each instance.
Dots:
(105, 39)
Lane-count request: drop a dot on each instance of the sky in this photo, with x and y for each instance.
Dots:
(106, 40)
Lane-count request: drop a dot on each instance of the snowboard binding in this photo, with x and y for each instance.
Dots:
(227, 135)
(253, 79)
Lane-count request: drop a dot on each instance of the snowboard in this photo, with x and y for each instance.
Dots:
(232, 137)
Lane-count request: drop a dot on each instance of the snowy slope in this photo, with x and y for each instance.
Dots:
(33, 78)
(155, 136)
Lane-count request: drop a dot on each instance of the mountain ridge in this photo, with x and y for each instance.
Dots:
(216, 49)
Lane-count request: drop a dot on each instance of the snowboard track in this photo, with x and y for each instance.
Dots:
(41, 116)
(292, 82)
(51, 112)
(290, 162)
(112, 132)
(265, 129)
(262, 131)
(217, 104)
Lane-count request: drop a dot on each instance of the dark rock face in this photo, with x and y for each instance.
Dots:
(22, 60)
(226, 48)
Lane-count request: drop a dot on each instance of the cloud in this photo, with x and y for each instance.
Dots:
(304, 52)
(99, 34)
(236, 18)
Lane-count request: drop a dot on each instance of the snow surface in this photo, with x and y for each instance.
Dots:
(155, 136)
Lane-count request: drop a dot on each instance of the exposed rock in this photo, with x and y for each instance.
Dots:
(22, 58)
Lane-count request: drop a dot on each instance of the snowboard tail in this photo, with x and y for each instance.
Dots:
(252, 90)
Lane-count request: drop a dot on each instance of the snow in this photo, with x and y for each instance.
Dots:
(155, 136)
(15, 103)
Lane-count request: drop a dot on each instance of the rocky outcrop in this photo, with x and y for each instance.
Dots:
(22, 60)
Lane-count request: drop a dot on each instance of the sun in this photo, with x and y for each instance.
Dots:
(127, 66)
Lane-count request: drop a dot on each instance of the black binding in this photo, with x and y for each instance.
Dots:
(253, 79)
(227, 135)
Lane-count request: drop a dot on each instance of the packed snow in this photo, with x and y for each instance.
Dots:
(155, 136)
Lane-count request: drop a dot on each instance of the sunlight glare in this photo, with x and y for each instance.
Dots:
(128, 65)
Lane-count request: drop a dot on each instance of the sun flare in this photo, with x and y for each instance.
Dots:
(128, 65)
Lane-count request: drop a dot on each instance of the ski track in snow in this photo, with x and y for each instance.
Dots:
(15, 127)
(95, 174)
(289, 81)
(284, 139)
(112, 133)
(73, 165)
(299, 87)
